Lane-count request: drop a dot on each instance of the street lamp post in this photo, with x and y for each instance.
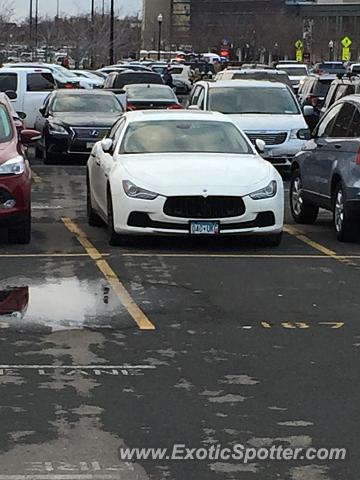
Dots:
(30, 22)
(331, 50)
(160, 19)
(92, 60)
(112, 22)
(36, 22)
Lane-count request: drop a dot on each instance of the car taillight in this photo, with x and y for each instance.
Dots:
(69, 85)
(175, 106)
(313, 100)
(130, 107)
(358, 157)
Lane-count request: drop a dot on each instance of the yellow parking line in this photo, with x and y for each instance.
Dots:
(303, 238)
(123, 295)
(46, 255)
(36, 178)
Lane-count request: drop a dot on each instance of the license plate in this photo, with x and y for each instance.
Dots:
(204, 228)
(89, 145)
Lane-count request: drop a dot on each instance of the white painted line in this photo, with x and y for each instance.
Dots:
(79, 367)
(72, 476)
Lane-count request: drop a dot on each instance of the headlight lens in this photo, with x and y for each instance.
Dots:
(268, 192)
(14, 166)
(55, 128)
(134, 191)
(302, 134)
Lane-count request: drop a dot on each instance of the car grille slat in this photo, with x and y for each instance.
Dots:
(89, 132)
(273, 138)
(204, 207)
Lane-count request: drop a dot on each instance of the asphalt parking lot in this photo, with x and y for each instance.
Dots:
(173, 341)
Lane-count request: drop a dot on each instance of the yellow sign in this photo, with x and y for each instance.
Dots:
(346, 54)
(299, 45)
(299, 55)
(346, 42)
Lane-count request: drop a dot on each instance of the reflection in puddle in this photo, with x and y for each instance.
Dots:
(14, 301)
(61, 304)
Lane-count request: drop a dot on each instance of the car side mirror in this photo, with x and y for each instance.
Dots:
(180, 100)
(42, 111)
(21, 115)
(308, 111)
(106, 144)
(29, 136)
(260, 145)
(11, 94)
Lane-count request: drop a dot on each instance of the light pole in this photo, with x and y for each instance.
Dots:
(112, 21)
(36, 22)
(92, 60)
(331, 50)
(160, 19)
(58, 8)
(30, 22)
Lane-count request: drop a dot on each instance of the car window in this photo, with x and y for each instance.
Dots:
(5, 125)
(115, 133)
(327, 122)
(201, 99)
(330, 97)
(136, 78)
(321, 87)
(354, 127)
(186, 136)
(40, 82)
(344, 90)
(8, 81)
(195, 95)
(342, 121)
(91, 102)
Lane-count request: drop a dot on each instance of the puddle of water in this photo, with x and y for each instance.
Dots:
(60, 304)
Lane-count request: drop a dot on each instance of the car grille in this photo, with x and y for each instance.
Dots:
(200, 207)
(94, 133)
(4, 196)
(275, 138)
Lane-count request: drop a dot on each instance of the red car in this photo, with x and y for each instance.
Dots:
(14, 300)
(15, 177)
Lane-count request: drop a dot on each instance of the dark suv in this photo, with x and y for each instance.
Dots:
(326, 173)
(313, 92)
(118, 80)
(339, 88)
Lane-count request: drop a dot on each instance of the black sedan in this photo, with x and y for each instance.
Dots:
(149, 97)
(72, 121)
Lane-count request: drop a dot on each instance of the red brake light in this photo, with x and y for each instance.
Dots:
(130, 107)
(175, 106)
(313, 100)
(358, 157)
(69, 85)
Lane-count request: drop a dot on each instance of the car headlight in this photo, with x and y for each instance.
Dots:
(268, 192)
(56, 128)
(14, 166)
(134, 191)
(302, 134)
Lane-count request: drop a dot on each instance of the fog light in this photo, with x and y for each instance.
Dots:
(8, 204)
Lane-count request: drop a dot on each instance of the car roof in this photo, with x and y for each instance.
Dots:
(290, 65)
(147, 85)
(245, 83)
(323, 77)
(28, 70)
(76, 92)
(355, 97)
(191, 115)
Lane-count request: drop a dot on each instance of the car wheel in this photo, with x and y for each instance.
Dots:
(345, 224)
(114, 238)
(22, 233)
(93, 218)
(301, 210)
(273, 240)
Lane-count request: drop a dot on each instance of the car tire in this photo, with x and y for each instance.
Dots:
(115, 240)
(22, 233)
(273, 240)
(346, 225)
(302, 211)
(93, 218)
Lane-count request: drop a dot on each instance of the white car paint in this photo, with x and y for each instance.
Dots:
(296, 80)
(27, 102)
(262, 123)
(180, 174)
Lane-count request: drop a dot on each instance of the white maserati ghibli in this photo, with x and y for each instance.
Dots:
(182, 173)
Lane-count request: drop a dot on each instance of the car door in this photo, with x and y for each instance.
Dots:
(336, 145)
(313, 152)
(11, 82)
(102, 166)
(38, 86)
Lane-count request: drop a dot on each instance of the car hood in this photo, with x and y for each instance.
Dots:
(191, 173)
(8, 150)
(261, 122)
(85, 119)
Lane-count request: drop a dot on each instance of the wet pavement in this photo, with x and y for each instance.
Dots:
(173, 341)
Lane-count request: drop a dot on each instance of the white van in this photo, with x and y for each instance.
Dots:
(27, 89)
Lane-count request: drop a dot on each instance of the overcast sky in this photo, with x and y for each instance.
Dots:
(73, 6)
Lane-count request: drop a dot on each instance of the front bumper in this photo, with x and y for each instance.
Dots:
(143, 217)
(283, 154)
(73, 143)
(16, 188)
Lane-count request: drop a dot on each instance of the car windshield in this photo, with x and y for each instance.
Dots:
(5, 125)
(86, 103)
(321, 88)
(295, 71)
(185, 136)
(150, 92)
(242, 100)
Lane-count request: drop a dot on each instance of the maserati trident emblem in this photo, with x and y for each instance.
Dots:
(94, 133)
